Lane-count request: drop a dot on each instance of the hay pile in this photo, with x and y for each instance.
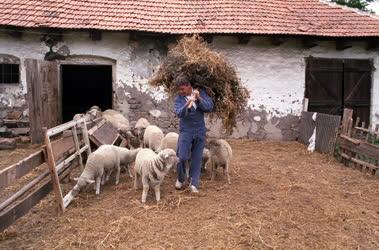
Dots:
(204, 68)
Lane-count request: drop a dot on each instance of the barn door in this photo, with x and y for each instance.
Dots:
(42, 96)
(357, 87)
(323, 85)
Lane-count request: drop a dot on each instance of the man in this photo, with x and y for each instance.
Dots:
(190, 106)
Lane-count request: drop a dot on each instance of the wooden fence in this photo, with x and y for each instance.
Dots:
(358, 144)
(60, 155)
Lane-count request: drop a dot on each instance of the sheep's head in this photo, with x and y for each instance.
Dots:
(81, 182)
(169, 157)
(213, 144)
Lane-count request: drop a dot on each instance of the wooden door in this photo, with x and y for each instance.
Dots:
(357, 87)
(42, 96)
(324, 85)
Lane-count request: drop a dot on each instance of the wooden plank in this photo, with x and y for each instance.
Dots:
(77, 147)
(9, 216)
(106, 134)
(60, 128)
(53, 172)
(34, 94)
(359, 147)
(360, 162)
(10, 174)
(347, 115)
(96, 127)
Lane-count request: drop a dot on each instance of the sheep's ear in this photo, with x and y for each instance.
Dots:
(90, 181)
(76, 178)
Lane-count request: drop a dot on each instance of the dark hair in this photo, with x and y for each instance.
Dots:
(181, 80)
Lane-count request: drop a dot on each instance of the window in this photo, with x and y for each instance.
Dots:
(9, 73)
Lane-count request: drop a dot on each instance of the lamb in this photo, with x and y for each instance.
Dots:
(221, 155)
(117, 119)
(100, 165)
(151, 168)
(169, 141)
(152, 137)
(140, 127)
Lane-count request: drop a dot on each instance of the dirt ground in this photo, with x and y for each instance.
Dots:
(281, 197)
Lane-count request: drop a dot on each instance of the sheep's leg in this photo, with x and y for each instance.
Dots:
(136, 180)
(213, 170)
(226, 170)
(103, 177)
(97, 184)
(130, 166)
(118, 169)
(145, 184)
(157, 189)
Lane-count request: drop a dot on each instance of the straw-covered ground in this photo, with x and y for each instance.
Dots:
(281, 197)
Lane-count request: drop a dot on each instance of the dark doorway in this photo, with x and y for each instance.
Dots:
(84, 86)
(335, 84)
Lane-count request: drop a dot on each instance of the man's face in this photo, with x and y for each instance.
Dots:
(185, 89)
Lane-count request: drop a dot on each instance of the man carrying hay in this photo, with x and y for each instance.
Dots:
(190, 106)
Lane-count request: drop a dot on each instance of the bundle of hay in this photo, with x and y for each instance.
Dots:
(204, 68)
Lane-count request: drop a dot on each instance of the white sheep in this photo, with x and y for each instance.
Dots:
(151, 168)
(152, 137)
(169, 141)
(220, 155)
(140, 127)
(117, 119)
(100, 165)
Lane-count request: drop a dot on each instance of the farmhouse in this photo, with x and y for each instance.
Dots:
(58, 58)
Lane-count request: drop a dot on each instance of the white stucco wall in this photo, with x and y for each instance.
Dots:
(275, 75)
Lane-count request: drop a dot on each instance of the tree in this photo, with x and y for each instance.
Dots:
(357, 4)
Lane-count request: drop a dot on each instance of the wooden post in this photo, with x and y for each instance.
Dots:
(85, 137)
(77, 146)
(53, 172)
(347, 115)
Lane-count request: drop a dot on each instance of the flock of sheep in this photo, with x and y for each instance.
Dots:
(146, 152)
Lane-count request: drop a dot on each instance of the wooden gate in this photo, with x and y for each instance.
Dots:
(42, 96)
(335, 84)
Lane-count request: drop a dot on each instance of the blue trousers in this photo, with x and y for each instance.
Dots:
(190, 146)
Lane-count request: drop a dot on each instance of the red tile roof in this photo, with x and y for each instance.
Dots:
(292, 17)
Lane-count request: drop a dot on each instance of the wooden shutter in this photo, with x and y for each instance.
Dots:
(357, 87)
(324, 90)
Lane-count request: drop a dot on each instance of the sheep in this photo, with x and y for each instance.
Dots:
(116, 119)
(152, 137)
(221, 155)
(131, 140)
(100, 165)
(140, 127)
(206, 158)
(151, 168)
(169, 141)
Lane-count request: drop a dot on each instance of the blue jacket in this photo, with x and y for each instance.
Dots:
(192, 119)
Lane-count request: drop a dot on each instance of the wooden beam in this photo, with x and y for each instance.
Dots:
(372, 44)
(10, 174)
(276, 41)
(54, 174)
(95, 35)
(308, 43)
(10, 215)
(243, 39)
(342, 44)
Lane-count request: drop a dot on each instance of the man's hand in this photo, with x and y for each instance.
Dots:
(196, 93)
